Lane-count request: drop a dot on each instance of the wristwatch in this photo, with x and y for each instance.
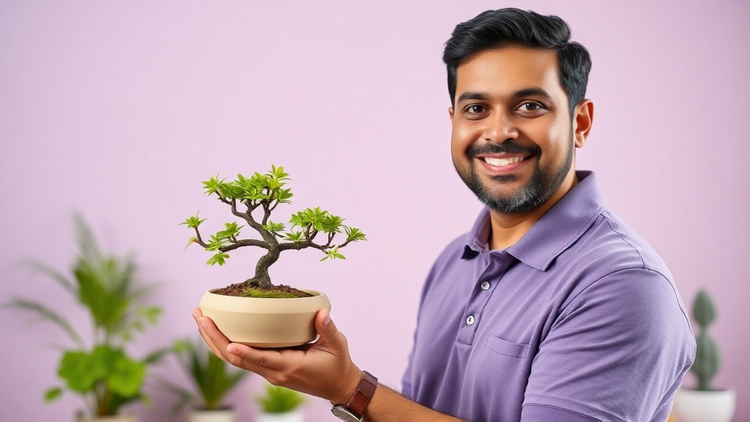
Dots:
(354, 410)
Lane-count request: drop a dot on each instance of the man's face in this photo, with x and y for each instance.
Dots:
(512, 140)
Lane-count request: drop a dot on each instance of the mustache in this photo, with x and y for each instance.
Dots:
(507, 147)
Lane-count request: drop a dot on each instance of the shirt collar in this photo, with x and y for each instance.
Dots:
(558, 228)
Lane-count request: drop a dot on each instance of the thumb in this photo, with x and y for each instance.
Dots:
(325, 326)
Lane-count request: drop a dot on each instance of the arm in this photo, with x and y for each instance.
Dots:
(323, 369)
(618, 351)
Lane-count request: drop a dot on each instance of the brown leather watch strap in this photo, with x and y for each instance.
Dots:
(364, 393)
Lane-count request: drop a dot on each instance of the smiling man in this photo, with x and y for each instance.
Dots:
(550, 308)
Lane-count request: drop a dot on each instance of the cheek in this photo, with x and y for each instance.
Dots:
(461, 138)
(554, 139)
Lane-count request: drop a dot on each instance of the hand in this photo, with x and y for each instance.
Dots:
(323, 369)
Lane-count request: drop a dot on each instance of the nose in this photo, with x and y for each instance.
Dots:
(499, 127)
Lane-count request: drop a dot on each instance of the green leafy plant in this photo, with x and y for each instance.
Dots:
(279, 399)
(707, 358)
(104, 285)
(260, 194)
(212, 378)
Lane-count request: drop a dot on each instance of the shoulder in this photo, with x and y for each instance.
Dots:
(609, 245)
(611, 264)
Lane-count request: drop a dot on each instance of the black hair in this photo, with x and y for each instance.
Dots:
(504, 27)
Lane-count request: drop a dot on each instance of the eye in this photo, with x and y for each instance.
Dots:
(531, 109)
(475, 110)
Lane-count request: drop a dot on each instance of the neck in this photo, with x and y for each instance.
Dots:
(507, 229)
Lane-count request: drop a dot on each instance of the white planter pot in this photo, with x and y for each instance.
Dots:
(212, 416)
(293, 416)
(117, 418)
(264, 322)
(704, 406)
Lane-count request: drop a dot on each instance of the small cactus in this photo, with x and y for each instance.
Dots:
(707, 358)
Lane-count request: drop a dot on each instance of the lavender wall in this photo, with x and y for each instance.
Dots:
(120, 109)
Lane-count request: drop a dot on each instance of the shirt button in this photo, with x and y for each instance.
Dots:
(470, 320)
(485, 285)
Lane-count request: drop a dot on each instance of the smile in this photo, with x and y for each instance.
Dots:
(502, 162)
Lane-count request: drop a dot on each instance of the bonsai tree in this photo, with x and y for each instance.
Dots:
(103, 373)
(253, 199)
(707, 358)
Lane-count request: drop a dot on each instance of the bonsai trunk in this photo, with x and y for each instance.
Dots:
(261, 279)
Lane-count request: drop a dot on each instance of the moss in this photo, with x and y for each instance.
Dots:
(250, 292)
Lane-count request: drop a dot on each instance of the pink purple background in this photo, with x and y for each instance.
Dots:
(119, 110)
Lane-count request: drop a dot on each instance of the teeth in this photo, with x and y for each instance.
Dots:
(501, 162)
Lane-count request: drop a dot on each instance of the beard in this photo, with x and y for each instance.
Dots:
(542, 185)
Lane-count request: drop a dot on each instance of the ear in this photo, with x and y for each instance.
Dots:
(450, 112)
(583, 118)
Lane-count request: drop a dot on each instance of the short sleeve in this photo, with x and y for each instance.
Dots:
(615, 353)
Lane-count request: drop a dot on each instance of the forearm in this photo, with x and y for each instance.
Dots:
(323, 369)
(389, 406)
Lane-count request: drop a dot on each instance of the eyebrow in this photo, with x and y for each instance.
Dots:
(526, 92)
(471, 96)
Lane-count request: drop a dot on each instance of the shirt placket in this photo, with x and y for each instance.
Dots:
(496, 263)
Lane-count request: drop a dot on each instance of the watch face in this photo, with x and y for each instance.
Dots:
(344, 414)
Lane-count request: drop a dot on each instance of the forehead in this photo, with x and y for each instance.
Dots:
(506, 70)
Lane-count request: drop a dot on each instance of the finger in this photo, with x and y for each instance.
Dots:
(256, 360)
(214, 338)
(210, 343)
(197, 314)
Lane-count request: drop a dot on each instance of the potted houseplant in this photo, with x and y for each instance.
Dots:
(102, 373)
(212, 380)
(704, 403)
(243, 311)
(279, 404)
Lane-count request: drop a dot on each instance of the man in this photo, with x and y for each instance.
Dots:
(550, 308)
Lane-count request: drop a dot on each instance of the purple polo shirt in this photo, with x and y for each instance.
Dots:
(578, 321)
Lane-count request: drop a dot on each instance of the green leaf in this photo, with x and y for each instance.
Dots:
(193, 221)
(231, 231)
(353, 234)
(126, 375)
(216, 242)
(295, 236)
(212, 378)
(191, 241)
(309, 218)
(230, 191)
(219, 258)
(80, 371)
(151, 313)
(53, 274)
(274, 227)
(331, 223)
(156, 355)
(52, 394)
(48, 314)
(283, 196)
(211, 185)
(280, 399)
(333, 253)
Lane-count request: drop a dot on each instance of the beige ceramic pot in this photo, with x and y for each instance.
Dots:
(264, 322)
(212, 416)
(116, 418)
